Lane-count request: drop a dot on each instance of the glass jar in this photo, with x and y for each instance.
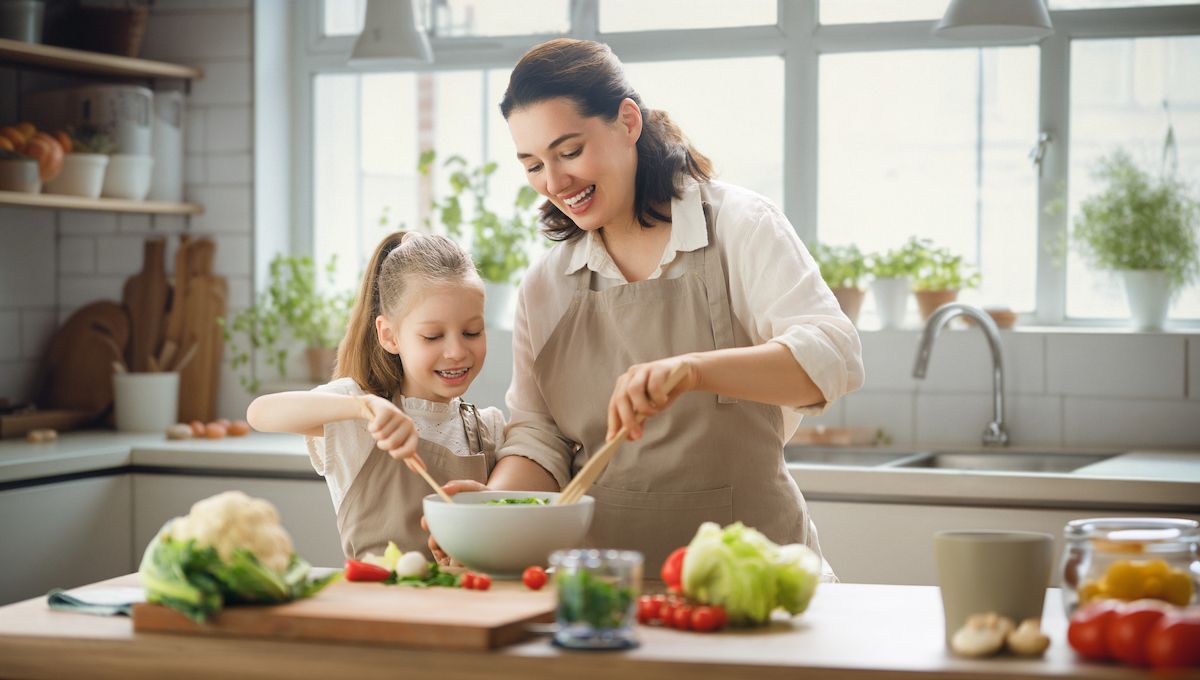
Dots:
(1130, 558)
(597, 598)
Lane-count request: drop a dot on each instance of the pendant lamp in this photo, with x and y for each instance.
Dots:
(391, 33)
(1013, 21)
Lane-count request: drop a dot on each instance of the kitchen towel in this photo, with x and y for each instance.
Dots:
(98, 601)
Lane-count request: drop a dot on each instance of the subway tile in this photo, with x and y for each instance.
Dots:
(960, 419)
(37, 327)
(961, 361)
(233, 256)
(87, 223)
(1193, 361)
(224, 82)
(238, 294)
(888, 359)
(193, 121)
(168, 225)
(890, 411)
(227, 129)
(27, 260)
(1132, 422)
(1109, 365)
(77, 291)
(119, 255)
(10, 335)
(77, 255)
(229, 168)
(134, 224)
(226, 209)
(16, 379)
(194, 37)
(190, 6)
(194, 169)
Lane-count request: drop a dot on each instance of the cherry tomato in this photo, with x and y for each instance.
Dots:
(646, 611)
(1174, 642)
(482, 581)
(682, 618)
(534, 578)
(704, 619)
(672, 569)
(468, 580)
(666, 613)
(1088, 630)
(1127, 632)
(362, 571)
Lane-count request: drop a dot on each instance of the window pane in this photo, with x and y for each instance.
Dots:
(1118, 88)
(870, 11)
(934, 144)
(638, 15)
(510, 17)
(344, 17)
(741, 130)
(1057, 5)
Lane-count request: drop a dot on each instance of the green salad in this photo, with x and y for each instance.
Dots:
(519, 501)
(584, 597)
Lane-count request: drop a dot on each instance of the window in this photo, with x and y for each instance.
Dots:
(673, 15)
(874, 11)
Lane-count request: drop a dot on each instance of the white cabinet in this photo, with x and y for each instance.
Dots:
(63, 534)
(304, 508)
(893, 543)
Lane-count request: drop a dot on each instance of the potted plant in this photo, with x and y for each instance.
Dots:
(940, 277)
(1143, 227)
(843, 268)
(292, 308)
(892, 271)
(500, 246)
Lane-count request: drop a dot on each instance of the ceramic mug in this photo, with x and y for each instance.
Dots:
(1006, 572)
(145, 402)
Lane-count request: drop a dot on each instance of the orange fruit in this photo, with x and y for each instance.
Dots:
(27, 129)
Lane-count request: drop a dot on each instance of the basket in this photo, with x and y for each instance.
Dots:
(115, 30)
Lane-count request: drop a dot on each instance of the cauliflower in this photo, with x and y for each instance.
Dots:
(232, 520)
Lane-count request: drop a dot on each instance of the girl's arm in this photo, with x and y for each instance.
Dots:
(304, 412)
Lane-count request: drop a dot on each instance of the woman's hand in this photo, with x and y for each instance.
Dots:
(642, 392)
(451, 488)
(392, 429)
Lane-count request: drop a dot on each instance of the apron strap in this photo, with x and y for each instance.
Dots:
(478, 439)
(720, 311)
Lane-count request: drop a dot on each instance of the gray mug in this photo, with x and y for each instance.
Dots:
(1006, 572)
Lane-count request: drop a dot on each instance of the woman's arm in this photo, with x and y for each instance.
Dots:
(303, 412)
(518, 473)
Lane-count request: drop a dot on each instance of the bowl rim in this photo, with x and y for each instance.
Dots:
(435, 499)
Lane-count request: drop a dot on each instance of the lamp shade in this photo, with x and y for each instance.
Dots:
(391, 33)
(995, 20)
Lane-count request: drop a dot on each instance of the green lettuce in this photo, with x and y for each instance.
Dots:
(750, 576)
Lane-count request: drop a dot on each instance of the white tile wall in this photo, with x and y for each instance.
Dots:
(76, 255)
(890, 411)
(223, 83)
(1132, 422)
(1116, 365)
(10, 335)
(1193, 365)
(961, 361)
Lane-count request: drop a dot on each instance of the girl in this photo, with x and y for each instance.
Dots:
(415, 342)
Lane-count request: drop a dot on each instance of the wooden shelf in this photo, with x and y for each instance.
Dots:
(59, 202)
(35, 54)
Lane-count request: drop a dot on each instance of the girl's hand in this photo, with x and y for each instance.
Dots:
(451, 488)
(641, 392)
(392, 429)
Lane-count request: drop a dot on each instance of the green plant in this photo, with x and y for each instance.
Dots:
(499, 246)
(898, 263)
(941, 269)
(841, 266)
(292, 307)
(1139, 221)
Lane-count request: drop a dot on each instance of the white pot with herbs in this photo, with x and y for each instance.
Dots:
(893, 271)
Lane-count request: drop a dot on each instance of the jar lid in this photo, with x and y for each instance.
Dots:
(1131, 531)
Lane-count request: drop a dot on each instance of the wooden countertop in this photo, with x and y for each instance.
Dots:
(850, 630)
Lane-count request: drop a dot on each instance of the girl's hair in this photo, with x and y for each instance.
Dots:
(591, 76)
(399, 268)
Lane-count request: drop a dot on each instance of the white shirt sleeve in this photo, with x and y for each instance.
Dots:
(340, 454)
(778, 295)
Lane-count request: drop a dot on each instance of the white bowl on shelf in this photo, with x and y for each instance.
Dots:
(82, 175)
(128, 176)
(19, 174)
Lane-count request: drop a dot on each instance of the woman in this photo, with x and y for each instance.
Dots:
(657, 265)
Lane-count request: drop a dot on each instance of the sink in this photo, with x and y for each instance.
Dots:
(842, 457)
(1002, 461)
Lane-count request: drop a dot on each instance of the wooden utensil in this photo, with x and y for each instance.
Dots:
(173, 334)
(76, 371)
(203, 304)
(583, 481)
(18, 424)
(417, 465)
(145, 298)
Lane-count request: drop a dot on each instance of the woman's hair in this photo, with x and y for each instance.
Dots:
(591, 76)
(399, 268)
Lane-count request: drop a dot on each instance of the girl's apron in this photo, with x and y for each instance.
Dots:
(708, 457)
(384, 502)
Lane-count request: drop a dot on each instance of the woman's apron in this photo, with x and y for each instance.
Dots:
(384, 502)
(708, 457)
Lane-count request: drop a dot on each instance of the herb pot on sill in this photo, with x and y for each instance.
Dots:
(851, 300)
(891, 300)
(929, 300)
(1149, 296)
(320, 363)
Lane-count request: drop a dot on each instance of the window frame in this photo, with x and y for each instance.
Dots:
(799, 40)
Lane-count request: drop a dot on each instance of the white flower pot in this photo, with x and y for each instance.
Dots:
(500, 305)
(82, 175)
(1149, 295)
(891, 300)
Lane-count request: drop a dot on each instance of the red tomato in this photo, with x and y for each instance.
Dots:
(482, 581)
(722, 619)
(672, 569)
(648, 608)
(1174, 642)
(666, 613)
(534, 578)
(704, 619)
(1088, 630)
(361, 571)
(468, 580)
(1127, 633)
(682, 618)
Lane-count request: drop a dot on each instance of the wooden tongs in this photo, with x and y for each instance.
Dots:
(591, 471)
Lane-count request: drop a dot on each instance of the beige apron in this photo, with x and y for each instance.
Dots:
(708, 457)
(384, 502)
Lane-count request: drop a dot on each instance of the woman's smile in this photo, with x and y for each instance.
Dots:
(579, 202)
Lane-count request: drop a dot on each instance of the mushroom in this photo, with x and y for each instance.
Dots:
(1027, 639)
(982, 635)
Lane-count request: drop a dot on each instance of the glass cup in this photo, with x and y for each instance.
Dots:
(597, 598)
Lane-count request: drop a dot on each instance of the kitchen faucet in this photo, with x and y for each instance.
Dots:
(994, 434)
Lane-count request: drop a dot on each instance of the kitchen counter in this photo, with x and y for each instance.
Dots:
(1149, 481)
(849, 631)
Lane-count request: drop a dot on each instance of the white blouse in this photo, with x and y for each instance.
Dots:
(342, 452)
(776, 292)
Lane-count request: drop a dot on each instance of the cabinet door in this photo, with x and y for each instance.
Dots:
(893, 543)
(63, 535)
(304, 508)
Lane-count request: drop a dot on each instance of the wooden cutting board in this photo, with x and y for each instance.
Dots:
(202, 303)
(373, 613)
(145, 298)
(76, 371)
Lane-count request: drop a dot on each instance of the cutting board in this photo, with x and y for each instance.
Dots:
(373, 613)
(76, 371)
(202, 303)
(145, 298)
